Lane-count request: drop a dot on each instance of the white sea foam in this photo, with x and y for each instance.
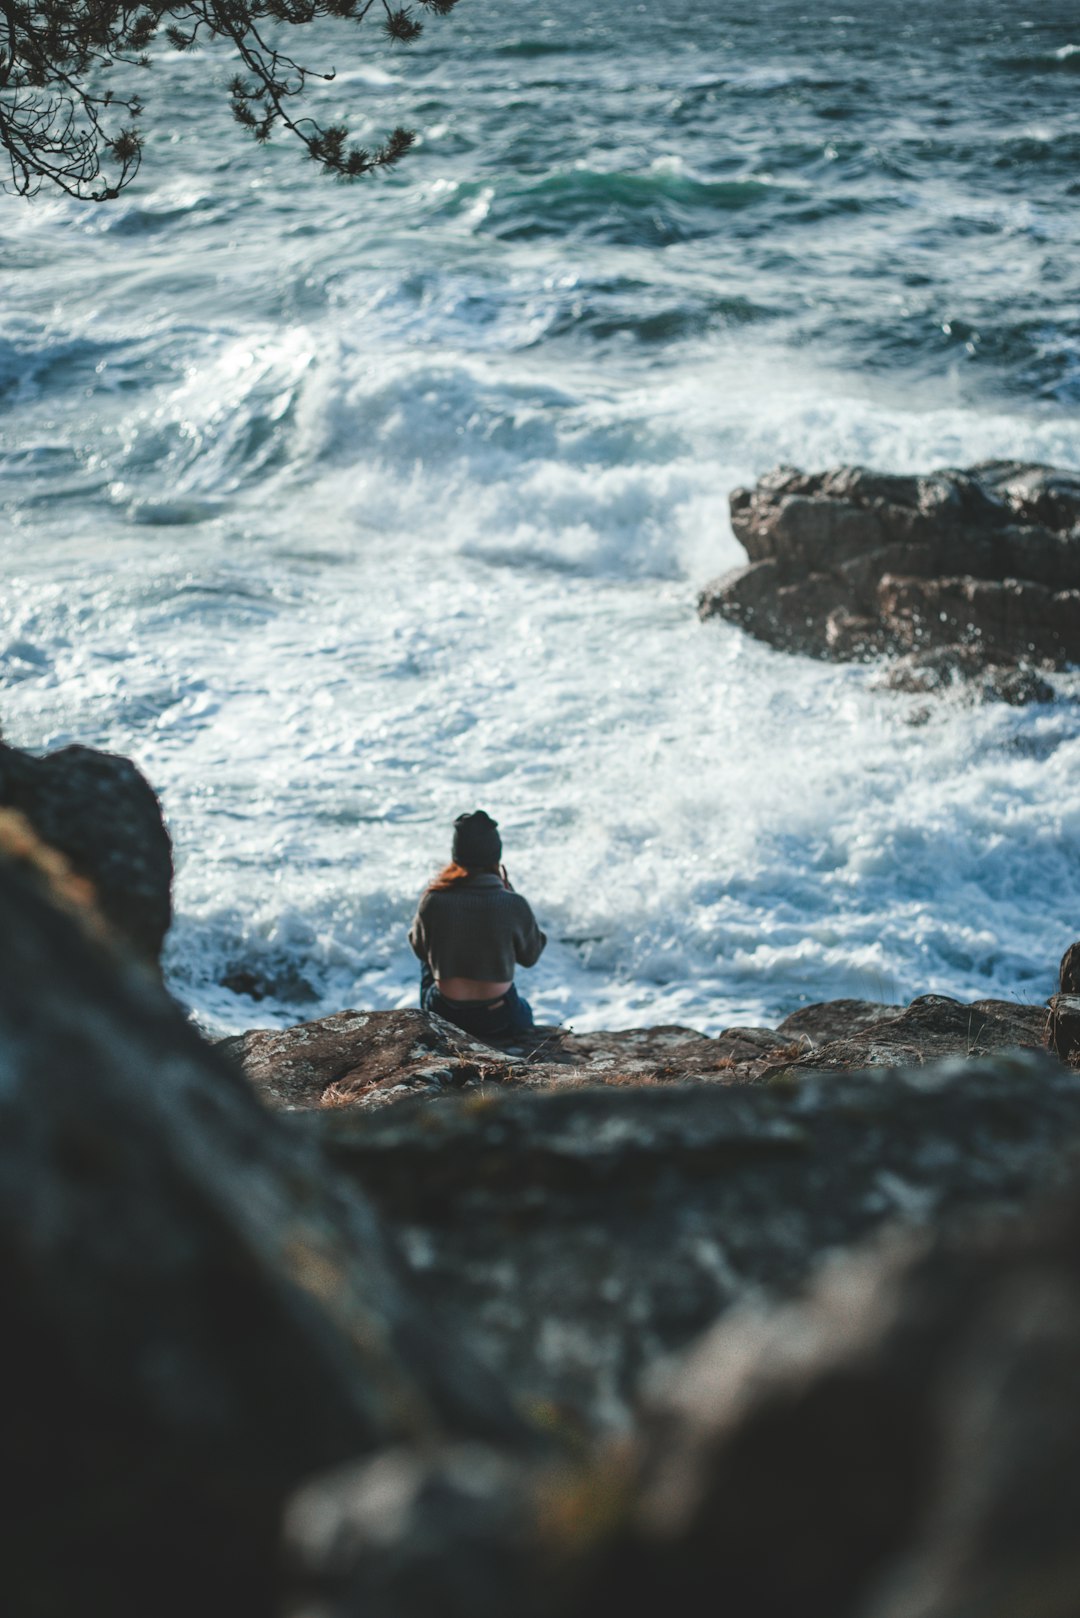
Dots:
(344, 511)
(710, 831)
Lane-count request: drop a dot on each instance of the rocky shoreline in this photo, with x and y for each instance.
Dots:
(364, 1317)
(963, 578)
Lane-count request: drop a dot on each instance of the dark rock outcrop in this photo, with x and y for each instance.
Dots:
(197, 1311)
(904, 1444)
(963, 671)
(575, 1236)
(903, 1441)
(974, 570)
(103, 816)
(1063, 1023)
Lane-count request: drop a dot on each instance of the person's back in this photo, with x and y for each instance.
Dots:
(470, 932)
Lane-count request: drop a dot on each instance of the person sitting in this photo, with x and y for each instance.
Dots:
(470, 931)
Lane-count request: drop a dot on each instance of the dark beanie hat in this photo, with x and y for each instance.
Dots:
(476, 840)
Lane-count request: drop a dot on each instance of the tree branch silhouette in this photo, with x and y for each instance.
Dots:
(63, 127)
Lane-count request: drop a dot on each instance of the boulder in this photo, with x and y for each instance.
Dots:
(198, 1312)
(1003, 620)
(102, 815)
(851, 564)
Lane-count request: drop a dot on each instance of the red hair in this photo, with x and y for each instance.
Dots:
(451, 875)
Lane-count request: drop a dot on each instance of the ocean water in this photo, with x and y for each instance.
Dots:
(345, 509)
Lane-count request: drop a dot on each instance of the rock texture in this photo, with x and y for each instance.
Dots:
(963, 573)
(930, 1028)
(368, 1059)
(1063, 1023)
(1069, 971)
(360, 1058)
(447, 1532)
(197, 1311)
(903, 1441)
(1064, 1027)
(904, 1444)
(103, 816)
(574, 1237)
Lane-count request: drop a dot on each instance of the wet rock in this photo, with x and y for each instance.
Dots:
(574, 1236)
(1007, 621)
(961, 669)
(100, 813)
(197, 1311)
(268, 975)
(850, 564)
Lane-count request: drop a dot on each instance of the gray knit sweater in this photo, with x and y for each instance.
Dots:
(478, 929)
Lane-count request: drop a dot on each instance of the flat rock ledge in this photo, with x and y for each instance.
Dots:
(367, 1060)
(970, 578)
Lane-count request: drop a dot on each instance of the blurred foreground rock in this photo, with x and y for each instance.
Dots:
(437, 1347)
(573, 1238)
(902, 1442)
(104, 817)
(197, 1312)
(969, 576)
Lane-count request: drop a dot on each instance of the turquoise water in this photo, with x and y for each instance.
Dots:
(343, 509)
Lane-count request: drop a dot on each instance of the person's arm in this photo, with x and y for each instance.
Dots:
(418, 935)
(529, 941)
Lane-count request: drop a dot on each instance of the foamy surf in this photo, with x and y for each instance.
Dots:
(342, 511)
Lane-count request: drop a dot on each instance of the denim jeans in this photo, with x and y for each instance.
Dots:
(510, 1015)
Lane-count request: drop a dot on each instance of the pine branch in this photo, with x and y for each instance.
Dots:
(59, 132)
